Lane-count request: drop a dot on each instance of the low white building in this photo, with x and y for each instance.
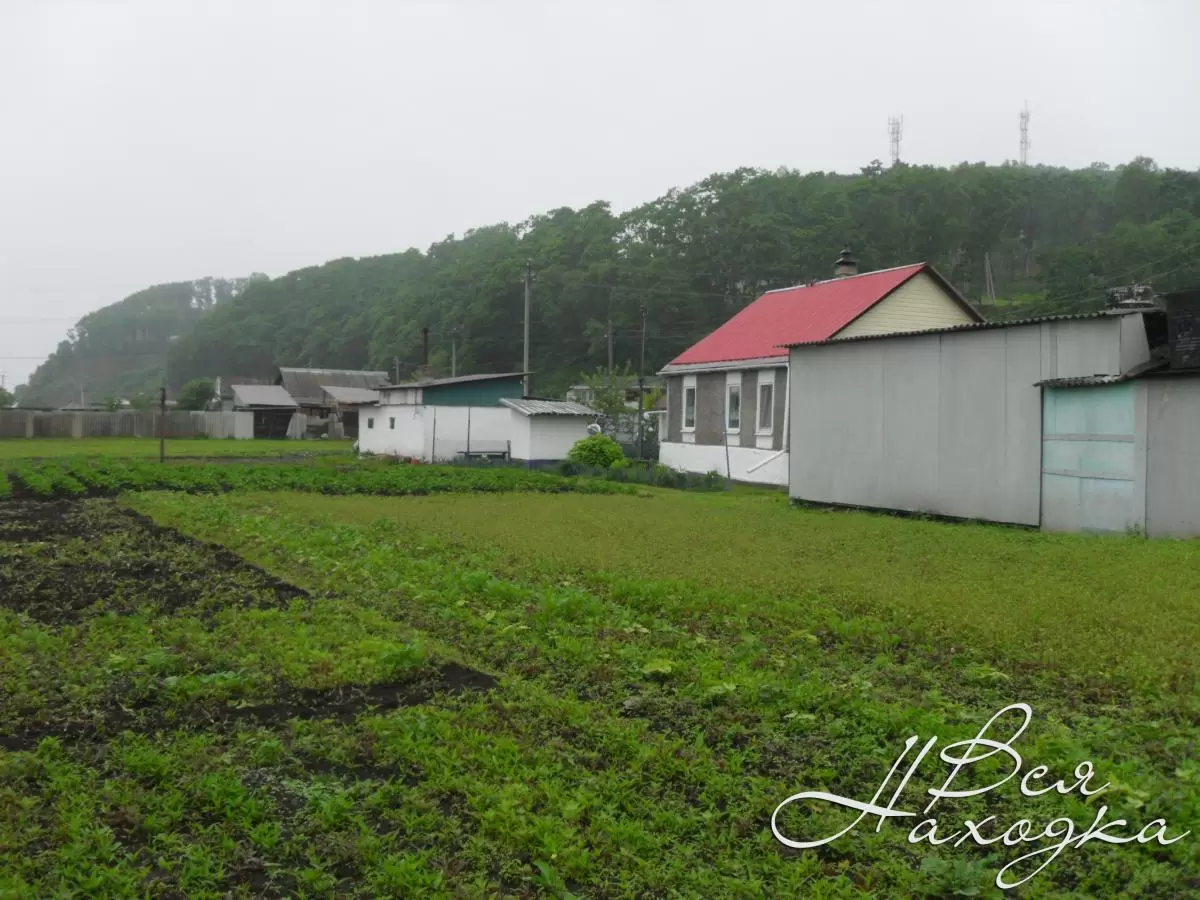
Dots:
(408, 421)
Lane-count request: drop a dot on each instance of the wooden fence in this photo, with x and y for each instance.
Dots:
(18, 423)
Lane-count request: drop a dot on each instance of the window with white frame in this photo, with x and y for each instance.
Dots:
(766, 407)
(733, 406)
(689, 407)
(766, 402)
(370, 423)
(392, 423)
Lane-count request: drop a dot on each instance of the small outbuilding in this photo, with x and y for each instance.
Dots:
(275, 411)
(307, 386)
(542, 432)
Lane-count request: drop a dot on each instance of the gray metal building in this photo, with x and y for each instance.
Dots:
(950, 422)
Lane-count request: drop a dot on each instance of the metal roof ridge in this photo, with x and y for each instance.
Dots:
(973, 326)
(845, 277)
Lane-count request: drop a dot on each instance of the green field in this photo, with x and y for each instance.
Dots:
(48, 448)
(569, 694)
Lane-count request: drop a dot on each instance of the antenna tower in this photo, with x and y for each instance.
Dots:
(895, 132)
(1025, 135)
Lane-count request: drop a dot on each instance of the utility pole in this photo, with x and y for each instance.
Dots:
(895, 132)
(162, 421)
(528, 287)
(989, 281)
(425, 352)
(1025, 135)
(454, 354)
(396, 364)
(642, 391)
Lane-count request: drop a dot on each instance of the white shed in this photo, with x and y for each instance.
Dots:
(544, 431)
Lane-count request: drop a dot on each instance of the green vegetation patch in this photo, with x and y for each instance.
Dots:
(647, 728)
(76, 477)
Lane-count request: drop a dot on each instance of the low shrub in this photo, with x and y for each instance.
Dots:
(598, 450)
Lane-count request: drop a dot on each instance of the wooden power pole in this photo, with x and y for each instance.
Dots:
(528, 288)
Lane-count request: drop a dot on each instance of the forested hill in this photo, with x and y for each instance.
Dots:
(1054, 239)
(120, 350)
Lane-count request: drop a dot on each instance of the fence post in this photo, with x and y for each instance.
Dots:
(468, 435)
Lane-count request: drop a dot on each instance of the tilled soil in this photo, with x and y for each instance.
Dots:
(61, 561)
(64, 563)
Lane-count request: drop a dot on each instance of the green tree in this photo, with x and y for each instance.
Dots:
(692, 257)
(7, 399)
(196, 394)
(111, 403)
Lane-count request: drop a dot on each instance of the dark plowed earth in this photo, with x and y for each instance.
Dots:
(63, 560)
(342, 704)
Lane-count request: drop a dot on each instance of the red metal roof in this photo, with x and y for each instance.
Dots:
(794, 315)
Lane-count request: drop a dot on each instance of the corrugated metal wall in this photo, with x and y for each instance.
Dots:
(1173, 456)
(947, 424)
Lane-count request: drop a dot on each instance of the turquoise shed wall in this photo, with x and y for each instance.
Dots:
(1094, 458)
(474, 393)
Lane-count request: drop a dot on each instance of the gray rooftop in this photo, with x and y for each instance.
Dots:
(262, 395)
(350, 396)
(460, 379)
(1149, 367)
(549, 408)
(306, 385)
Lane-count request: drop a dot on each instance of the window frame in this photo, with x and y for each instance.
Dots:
(689, 384)
(370, 421)
(392, 423)
(765, 377)
(732, 389)
(767, 427)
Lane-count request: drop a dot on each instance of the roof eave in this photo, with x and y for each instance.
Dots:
(756, 362)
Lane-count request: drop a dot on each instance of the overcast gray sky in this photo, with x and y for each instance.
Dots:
(147, 141)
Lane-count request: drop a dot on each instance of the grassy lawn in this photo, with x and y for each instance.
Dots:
(1093, 606)
(46, 448)
(560, 695)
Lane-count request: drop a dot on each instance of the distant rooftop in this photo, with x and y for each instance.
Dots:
(460, 379)
(262, 395)
(533, 407)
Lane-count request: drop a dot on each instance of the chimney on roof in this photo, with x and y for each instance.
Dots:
(846, 266)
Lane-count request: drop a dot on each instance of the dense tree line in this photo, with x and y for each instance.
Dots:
(1053, 239)
(120, 350)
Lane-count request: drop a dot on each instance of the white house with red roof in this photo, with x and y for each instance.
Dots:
(727, 405)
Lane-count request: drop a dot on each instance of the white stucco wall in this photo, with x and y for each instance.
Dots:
(703, 458)
(519, 434)
(407, 438)
(484, 428)
(552, 437)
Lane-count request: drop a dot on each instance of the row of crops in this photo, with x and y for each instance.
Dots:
(101, 477)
